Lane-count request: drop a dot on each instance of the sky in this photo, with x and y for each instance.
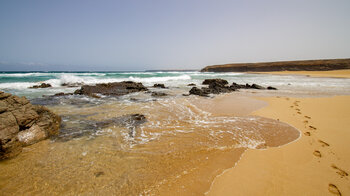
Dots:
(130, 35)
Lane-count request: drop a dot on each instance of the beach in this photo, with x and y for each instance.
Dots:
(184, 144)
(315, 164)
(334, 73)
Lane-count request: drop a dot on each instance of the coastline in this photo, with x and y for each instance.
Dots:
(333, 74)
(307, 166)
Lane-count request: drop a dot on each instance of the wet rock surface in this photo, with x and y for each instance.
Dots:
(22, 124)
(159, 94)
(159, 86)
(75, 84)
(111, 89)
(217, 86)
(84, 127)
(42, 85)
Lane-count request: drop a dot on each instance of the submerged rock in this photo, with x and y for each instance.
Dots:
(90, 127)
(191, 84)
(42, 85)
(158, 94)
(111, 89)
(22, 124)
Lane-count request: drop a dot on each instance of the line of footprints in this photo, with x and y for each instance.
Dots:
(310, 130)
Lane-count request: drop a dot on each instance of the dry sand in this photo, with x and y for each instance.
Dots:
(334, 74)
(316, 164)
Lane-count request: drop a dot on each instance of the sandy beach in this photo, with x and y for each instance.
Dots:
(315, 164)
(334, 73)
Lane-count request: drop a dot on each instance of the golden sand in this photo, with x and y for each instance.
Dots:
(316, 164)
(334, 73)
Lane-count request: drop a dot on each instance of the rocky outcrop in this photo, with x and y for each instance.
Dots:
(159, 86)
(111, 89)
(308, 65)
(74, 84)
(42, 85)
(23, 124)
(217, 86)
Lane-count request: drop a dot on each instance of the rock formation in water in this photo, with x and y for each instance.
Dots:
(217, 86)
(308, 65)
(42, 85)
(111, 89)
(159, 86)
(23, 124)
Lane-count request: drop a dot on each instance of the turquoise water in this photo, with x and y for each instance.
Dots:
(19, 82)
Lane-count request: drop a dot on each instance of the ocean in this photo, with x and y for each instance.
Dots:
(18, 82)
(184, 143)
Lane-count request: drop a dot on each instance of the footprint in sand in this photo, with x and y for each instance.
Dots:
(341, 172)
(291, 106)
(312, 127)
(317, 153)
(333, 189)
(307, 133)
(305, 121)
(308, 117)
(299, 112)
(324, 144)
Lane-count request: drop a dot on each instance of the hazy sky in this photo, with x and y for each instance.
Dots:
(164, 34)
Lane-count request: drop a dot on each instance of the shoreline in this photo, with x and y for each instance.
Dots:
(329, 74)
(314, 164)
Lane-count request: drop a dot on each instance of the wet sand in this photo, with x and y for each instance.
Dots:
(315, 164)
(334, 74)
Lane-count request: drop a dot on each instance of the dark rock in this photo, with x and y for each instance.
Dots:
(111, 89)
(192, 84)
(271, 88)
(217, 86)
(185, 95)
(197, 91)
(255, 86)
(42, 85)
(158, 94)
(216, 81)
(159, 86)
(22, 124)
(61, 94)
(75, 84)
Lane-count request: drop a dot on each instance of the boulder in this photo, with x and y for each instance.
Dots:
(22, 124)
(42, 85)
(197, 91)
(111, 89)
(271, 88)
(159, 86)
(217, 81)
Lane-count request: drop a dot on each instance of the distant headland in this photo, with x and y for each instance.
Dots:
(305, 65)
